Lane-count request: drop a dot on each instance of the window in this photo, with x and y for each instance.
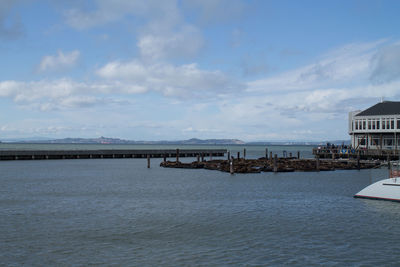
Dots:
(377, 124)
(356, 125)
(369, 124)
(398, 123)
(388, 141)
(392, 124)
(373, 124)
(363, 124)
(375, 141)
(387, 124)
(383, 124)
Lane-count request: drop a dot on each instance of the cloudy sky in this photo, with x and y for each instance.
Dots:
(178, 69)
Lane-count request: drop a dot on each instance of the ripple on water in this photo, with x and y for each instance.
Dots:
(105, 212)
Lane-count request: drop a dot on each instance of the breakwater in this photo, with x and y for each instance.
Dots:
(107, 153)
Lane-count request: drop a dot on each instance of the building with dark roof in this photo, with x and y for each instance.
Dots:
(377, 127)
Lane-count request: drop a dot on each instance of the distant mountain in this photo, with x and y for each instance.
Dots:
(193, 141)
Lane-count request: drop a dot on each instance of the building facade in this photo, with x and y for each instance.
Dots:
(377, 127)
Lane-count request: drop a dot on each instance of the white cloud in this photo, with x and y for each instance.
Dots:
(309, 103)
(184, 43)
(386, 64)
(52, 95)
(59, 62)
(177, 81)
(163, 35)
(346, 65)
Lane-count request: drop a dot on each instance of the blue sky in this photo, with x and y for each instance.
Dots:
(168, 70)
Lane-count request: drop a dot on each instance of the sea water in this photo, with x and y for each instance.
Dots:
(118, 212)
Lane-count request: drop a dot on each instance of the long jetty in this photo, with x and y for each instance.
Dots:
(107, 153)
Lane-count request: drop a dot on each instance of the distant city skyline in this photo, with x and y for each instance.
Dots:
(208, 69)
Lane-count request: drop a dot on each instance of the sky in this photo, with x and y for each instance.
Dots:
(179, 69)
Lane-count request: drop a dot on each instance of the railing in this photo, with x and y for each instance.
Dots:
(352, 152)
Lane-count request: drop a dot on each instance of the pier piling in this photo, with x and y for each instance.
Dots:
(231, 166)
(275, 163)
(148, 161)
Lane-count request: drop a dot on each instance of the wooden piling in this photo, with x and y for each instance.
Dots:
(165, 157)
(231, 170)
(229, 155)
(298, 154)
(270, 156)
(202, 157)
(275, 163)
(317, 163)
(148, 161)
(238, 155)
(198, 158)
(177, 155)
(244, 153)
(266, 153)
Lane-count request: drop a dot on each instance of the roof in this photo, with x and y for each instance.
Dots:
(383, 108)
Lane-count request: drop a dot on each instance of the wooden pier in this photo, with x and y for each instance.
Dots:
(338, 152)
(111, 153)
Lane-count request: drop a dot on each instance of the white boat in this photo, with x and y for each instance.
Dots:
(387, 189)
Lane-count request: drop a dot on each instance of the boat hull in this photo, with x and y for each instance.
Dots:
(387, 189)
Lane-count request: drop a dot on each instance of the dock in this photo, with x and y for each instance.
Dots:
(351, 153)
(107, 153)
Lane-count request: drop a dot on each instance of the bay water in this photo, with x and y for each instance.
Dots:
(116, 212)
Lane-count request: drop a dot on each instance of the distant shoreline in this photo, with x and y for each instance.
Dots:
(193, 141)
